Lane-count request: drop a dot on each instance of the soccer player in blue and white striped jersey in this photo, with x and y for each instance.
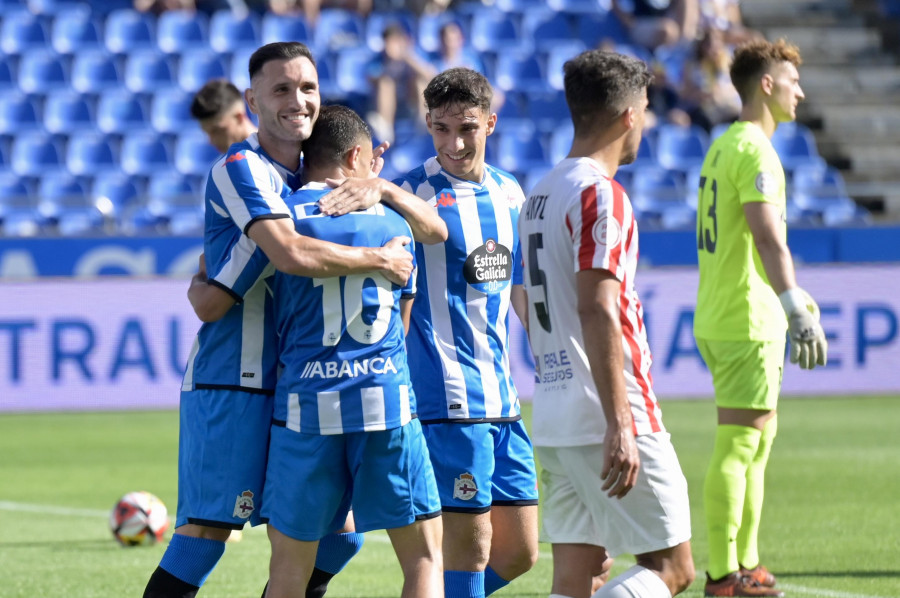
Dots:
(458, 344)
(344, 425)
(226, 403)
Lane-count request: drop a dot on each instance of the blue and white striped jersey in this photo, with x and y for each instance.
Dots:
(238, 351)
(458, 337)
(341, 346)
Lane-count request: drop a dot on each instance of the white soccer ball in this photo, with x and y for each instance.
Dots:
(139, 518)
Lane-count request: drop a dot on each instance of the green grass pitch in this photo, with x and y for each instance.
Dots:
(831, 525)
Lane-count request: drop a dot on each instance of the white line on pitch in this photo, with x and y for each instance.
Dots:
(379, 537)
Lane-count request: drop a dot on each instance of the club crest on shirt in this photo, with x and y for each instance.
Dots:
(765, 183)
(243, 505)
(464, 487)
(489, 268)
(607, 232)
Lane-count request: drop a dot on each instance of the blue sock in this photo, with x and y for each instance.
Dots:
(463, 584)
(192, 559)
(336, 550)
(492, 581)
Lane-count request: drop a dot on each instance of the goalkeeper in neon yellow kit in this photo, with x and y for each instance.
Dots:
(747, 298)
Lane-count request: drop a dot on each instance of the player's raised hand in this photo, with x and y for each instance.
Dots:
(621, 461)
(399, 260)
(350, 195)
(378, 157)
(809, 346)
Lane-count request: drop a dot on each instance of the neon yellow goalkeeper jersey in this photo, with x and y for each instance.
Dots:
(735, 300)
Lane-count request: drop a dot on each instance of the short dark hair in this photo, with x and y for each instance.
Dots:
(460, 87)
(337, 130)
(754, 58)
(214, 98)
(602, 85)
(278, 51)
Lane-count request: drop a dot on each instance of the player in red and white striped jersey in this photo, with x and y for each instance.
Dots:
(611, 481)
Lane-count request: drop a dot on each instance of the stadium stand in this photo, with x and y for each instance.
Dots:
(101, 92)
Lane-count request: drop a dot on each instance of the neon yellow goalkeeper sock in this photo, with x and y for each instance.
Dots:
(748, 534)
(723, 494)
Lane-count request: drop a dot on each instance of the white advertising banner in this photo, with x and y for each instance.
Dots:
(122, 343)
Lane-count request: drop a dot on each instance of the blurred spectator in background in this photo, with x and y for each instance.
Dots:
(454, 52)
(160, 6)
(219, 108)
(664, 102)
(707, 93)
(398, 76)
(654, 23)
(725, 17)
(310, 9)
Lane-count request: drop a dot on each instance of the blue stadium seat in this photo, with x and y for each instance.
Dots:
(196, 68)
(717, 131)
(514, 109)
(228, 32)
(193, 154)
(239, 73)
(22, 32)
(53, 8)
(652, 187)
(94, 71)
(411, 153)
(495, 32)
(19, 215)
(170, 111)
(428, 29)
(338, 28)
(148, 70)
(281, 28)
(377, 21)
(646, 156)
(547, 29)
(18, 113)
(680, 148)
(520, 70)
(578, 7)
(556, 57)
(90, 154)
(548, 110)
(75, 31)
(521, 6)
(9, 81)
(520, 152)
(144, 153)
(41, 71)
(181, 31)
(35, 154)
(593, 29)
(796, 146)
(68, 113)
(351, 68)
(329, 88)
(120, 112)
(115, 193)
(67, 206)
(174, 206)
(128, 30)
(560, 143)
(533, 176)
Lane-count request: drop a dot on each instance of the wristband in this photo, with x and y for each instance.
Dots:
(793, 300)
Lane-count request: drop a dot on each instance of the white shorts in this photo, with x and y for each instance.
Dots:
(653, 516)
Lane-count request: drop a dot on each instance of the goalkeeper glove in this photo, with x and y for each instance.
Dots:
(808, 345)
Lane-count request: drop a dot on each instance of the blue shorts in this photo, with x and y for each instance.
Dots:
(222, 446)
(312, 481)
(477, 465)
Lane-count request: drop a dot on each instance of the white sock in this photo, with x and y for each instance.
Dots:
(637, 582)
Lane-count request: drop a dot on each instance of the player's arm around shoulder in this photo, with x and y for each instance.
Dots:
(598, 311)
(210, 302)
(360, 194)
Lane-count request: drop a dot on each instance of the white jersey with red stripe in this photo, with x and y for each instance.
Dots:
(577, 218)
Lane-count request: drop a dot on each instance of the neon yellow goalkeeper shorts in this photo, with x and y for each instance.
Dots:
(746, 374)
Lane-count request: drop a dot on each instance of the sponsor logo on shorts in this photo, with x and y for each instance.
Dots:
(243, 505)
(348, 369)
(464, 487)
